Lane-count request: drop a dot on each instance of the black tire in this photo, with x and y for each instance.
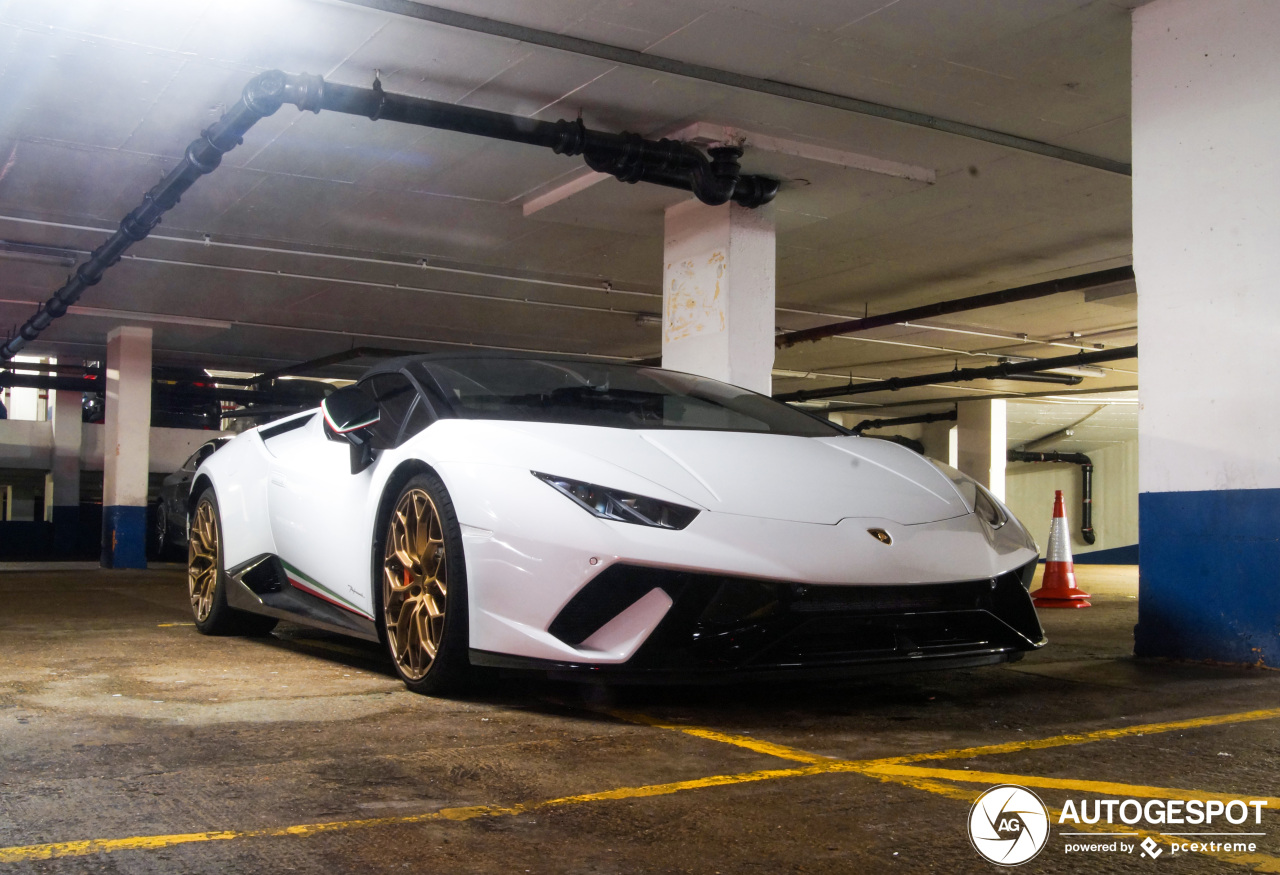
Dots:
(431, 582)
(207, 577)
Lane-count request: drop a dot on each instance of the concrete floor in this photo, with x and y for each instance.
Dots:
(130, 743)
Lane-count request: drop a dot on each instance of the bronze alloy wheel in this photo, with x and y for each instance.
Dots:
(414, 589)
(202, 560)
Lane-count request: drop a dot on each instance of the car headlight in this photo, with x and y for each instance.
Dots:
(619, 506)
(984, 504)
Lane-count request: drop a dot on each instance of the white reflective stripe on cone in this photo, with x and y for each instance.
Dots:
(1059, 541)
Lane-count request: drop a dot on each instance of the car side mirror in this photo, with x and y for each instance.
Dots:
(349, 415)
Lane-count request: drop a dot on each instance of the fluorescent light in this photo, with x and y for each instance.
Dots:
(39, 253)
(1072, 370)
(135, 316)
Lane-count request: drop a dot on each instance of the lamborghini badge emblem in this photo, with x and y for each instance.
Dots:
(880, 535)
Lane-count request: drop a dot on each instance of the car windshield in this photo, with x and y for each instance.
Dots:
(612, 395)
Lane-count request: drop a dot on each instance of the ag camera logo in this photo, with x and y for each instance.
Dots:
(1008, 825)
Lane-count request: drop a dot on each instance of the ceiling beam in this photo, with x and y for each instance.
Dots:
(630, 57)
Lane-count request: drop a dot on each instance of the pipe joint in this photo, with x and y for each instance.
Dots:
(569, 137)
(305, 91)
(203, 155)
(138, 224)
(265, 92)
(755, 191)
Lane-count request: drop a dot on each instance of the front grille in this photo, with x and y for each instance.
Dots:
(724, 622)
(885, 599)
(839, 639)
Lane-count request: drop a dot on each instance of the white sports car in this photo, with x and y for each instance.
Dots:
(626, 522)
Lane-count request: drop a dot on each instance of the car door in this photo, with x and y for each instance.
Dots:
(319, 510)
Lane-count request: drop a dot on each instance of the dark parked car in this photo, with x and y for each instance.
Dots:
(169, 531)
(180, 398)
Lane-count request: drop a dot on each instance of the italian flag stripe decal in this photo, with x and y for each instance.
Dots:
(311, 586)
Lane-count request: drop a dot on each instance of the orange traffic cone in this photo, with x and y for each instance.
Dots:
(1058, 589)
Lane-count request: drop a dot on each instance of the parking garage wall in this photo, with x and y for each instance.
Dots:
(1029, 488)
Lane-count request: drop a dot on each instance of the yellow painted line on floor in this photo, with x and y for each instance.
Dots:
(1255, 861)
(931, 780)
(889, 769)
(169, 625)
(85, 847)
(744, 741)
(1102, 788)
(791, 753)
(1087, 737)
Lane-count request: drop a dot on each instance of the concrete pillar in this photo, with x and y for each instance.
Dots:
(1205, 225)
(22, 502)
(24, 403)
(718, 293)
(62, 485)
(126, 448)
(980, 443)
(940, 442)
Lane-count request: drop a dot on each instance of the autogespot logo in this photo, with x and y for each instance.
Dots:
(1008, 825)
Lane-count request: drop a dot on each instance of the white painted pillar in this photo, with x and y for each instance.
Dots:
(62, 485)
(940, 442)
(24, 402)
(980, 443)
(1205, 227)
(126, 446)
(718, 293)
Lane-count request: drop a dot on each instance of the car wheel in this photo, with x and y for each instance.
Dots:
(207, 579)
(160, 544)
(423, 592)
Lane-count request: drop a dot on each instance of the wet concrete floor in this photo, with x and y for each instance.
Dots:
(131, 744)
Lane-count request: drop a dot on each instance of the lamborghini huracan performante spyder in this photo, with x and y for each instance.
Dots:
(595, 519)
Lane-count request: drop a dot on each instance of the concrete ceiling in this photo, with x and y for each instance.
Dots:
(325, 231)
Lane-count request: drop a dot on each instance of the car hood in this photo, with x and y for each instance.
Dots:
(804, 479)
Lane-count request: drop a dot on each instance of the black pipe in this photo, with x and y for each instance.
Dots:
(629, 157)
(901, 440)
(1086, 473)
(262, 96)
(160, 388)
(995, 396)
(962, 305)
(964, 375)
(950, 416)
(57, 384)
(61, 370)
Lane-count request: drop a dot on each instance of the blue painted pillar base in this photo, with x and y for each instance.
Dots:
(1209, 576)
(124, 537)
(66, 530)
